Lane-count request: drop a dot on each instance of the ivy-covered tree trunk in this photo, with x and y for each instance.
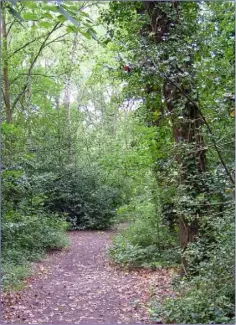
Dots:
(187, 124)
(180, 98)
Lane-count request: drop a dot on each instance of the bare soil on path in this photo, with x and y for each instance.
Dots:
(79, 286)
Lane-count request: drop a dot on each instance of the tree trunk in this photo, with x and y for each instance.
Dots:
(6, 92)
(187, 124)
(186, 119)
(67, 94)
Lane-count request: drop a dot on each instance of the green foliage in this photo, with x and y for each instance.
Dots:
(207, 294)
(199, 306)
(146, 242)
(126, 254)
(25, 239)
(14, 274)
(93, 144)
(202, 64)
(34, 233)
(78, 194)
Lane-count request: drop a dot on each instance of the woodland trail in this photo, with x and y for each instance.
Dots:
(79, 286)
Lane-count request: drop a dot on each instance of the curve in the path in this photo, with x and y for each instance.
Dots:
(78, 286)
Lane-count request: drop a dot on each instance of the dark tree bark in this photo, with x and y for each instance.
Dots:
(186, 121)
(187, 130)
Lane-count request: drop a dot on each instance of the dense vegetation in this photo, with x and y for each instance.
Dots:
(123, 112)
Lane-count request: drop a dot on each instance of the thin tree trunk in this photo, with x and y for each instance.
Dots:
(68, 80)
(6, 92)
(67, 94)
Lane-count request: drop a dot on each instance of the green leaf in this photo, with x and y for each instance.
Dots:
(45, 24)
(72, 29)
(61, 18)
(67, 16)
(46, 15)
(85, 34)
(30, 4)
(89, 33)
(53, 8)
(85, 14)
(72, 10)
(87, 25)
(90, 21)
(15, 14)
(30, 16)
(93, 34)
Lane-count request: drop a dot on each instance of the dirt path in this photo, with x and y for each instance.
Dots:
(78, 286)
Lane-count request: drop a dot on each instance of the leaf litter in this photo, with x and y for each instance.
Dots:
(80, 286)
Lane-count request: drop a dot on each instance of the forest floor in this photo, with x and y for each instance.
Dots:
(79, 286)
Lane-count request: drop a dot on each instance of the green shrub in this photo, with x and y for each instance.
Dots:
(146, 242)
(198, 306)
(13, 274)
(126, 254)
(201, 304)
(146, 232)
(34, 233)
(25, 239)
(87, 203)
(207, 294)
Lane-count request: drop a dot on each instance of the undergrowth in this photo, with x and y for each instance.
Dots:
(26, 241)
(146, 242)
(206, 294)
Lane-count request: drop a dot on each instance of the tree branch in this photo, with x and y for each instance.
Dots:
(56, 39)
(3, 96)
(31, 67)
(30, 42)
